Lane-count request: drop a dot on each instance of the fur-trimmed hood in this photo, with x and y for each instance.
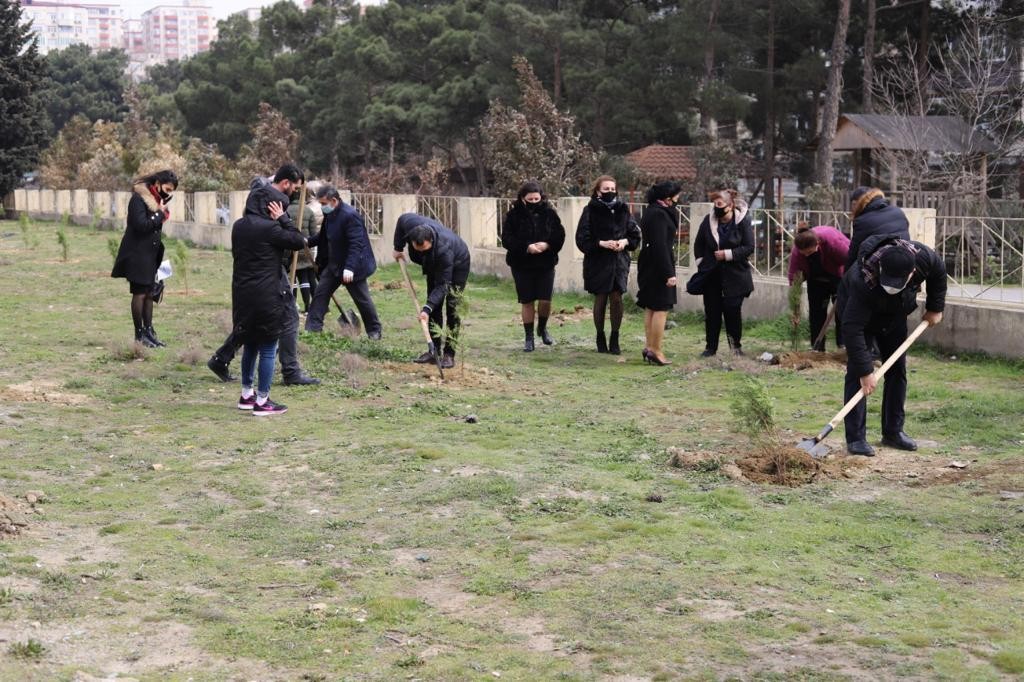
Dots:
(739, 212)
(863, 200)
(142, 190)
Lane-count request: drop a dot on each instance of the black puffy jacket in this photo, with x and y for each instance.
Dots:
(524, 226)
(260, 292)
(877, 218)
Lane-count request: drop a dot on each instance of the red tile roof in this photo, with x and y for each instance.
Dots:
(665, 162)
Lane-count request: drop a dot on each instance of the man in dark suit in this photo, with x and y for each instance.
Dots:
(350, 262)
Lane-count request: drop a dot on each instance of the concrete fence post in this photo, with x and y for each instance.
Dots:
(393, 205)
(80, 202)
(47, 202)
(20, 200)
(236, 204)
(204, 208)
(32, 200)
(922, 225)
(121, 200)
(569, 271)
(63, 202)
(101, 205)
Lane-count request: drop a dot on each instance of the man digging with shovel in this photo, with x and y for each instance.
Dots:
(875, 297)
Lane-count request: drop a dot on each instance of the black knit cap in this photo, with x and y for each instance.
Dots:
(895, 266)
(663, 190)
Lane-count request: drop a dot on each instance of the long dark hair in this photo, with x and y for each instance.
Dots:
(163, 177)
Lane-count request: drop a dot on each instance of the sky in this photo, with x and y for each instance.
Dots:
(133, 9)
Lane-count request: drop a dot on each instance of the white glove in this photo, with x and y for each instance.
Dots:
(346, 276)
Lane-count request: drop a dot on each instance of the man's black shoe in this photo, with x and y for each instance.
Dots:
(860, 447)
(899, 440)
(220, 369)
(374, 335)
(301, 380)
(447, 361)
(425, 358)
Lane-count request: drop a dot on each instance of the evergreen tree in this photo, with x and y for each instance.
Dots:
(22, 118)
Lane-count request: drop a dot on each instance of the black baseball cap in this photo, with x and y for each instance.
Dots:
(895, 266)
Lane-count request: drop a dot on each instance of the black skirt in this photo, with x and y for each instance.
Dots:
(534, 285)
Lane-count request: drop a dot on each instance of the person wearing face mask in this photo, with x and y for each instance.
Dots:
(532, 235)
(350, 262)
(605, 234)
(656, 266)
(819, 254)
(724, 242)
(263, 192)
(142, 249)
(875, 297)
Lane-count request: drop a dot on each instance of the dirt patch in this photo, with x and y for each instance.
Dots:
(41, 392)
(790, 466)
(461, 376)
(809, 359)
(14, 516)
(377, 285)
(577, 314)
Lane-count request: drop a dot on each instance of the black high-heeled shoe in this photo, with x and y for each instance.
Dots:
(655, 360)
(646, 354)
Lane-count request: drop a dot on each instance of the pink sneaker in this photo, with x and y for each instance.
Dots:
(268, 408)
(247, 403)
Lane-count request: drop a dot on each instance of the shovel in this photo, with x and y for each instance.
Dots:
(423, 323)
(814, 446)
(824, 328)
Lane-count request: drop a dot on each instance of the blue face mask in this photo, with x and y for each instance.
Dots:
(326, 209)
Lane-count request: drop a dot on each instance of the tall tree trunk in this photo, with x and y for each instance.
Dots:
(922, 49)
(869, 59)
(833, 89)
(558, 71)
(768, 178)
(707, 123)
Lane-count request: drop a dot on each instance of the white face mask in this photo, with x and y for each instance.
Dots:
(892, 291)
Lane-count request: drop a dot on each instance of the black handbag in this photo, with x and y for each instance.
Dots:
(695, 285)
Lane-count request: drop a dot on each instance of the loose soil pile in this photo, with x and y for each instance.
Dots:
(13, 516)
(775, 465)
(461, 376)
(810, 359)
(41, 392)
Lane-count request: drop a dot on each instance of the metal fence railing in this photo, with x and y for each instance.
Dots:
(984, 257)
(371, 208)
(223, 209)
(502, 206)
(188, 204)
(444, 210)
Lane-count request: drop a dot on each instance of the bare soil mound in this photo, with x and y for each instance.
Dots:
(789, 466)
(41, 392)
(13, 516)
(810, 359)
(461, 376)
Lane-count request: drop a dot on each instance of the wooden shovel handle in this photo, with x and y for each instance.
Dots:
(412, 292)
(824, 328)
(878, 373)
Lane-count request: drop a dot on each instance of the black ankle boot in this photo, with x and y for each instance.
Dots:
(151, 333)
(613, 344)
(142, 337)
(602, 343)
(734, 344)
(528, 341)
(542, 331)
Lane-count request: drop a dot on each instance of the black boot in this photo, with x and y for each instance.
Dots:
(142, 337)
(528, 342)
(151, 333)
(613, 343)
(220, 368)
(602, 343)
(542, 331)
(734, 344)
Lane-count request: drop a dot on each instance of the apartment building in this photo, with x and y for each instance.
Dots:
(58, 24)
(177, 31)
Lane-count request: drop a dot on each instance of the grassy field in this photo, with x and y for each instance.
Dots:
(373, 533)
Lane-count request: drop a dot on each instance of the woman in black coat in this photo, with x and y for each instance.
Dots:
(724, 242)
(605, 233)
(260, 290)
(532, 234)
(142, 248)
(656, 266)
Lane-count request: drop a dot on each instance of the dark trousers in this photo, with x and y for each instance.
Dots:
(450, 317)
(894, 389)
(716, 307)
(359, 290)
(819, 294)
(287, 345)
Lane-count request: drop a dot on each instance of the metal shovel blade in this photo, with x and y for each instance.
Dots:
(814, 447)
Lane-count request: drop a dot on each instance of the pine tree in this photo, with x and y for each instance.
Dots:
(22, 117)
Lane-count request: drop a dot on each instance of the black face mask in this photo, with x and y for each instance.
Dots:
(164, 196)
(535, 207)
(720, 212)
(608, 197)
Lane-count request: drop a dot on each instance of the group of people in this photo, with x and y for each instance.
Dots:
(872, 278)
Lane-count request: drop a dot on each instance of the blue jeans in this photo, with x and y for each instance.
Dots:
(266, 351)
